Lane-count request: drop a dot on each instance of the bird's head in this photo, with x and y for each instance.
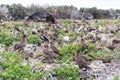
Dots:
(24, 34)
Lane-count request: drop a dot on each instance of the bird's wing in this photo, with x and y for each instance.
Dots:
(19, 45)
(56, 50)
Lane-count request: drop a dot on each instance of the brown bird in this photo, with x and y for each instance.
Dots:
(21, 44)
(112, 46)
(81, 61)
(37, 56)
(116, 41)
(54, 37)
(26, 54)
(83, 43)
(55, 50)
(46, 50)
(16, 28)
(102, 59)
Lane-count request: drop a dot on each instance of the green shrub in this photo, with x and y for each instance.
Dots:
(67, 50)
(33, 39)
(6, 38)
(60, 31)
(13, 69)
(91, 47)
(67, 72)
(70, 48)
(16, 71)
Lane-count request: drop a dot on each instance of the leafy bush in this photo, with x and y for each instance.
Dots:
(67, 72)
(70, 48)
(60, 31)
(67, 50)
(6, 38)
(16, 71)
(11, 68)
(91, 47)
(33, 39)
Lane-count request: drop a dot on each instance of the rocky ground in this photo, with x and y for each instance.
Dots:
(101, 71)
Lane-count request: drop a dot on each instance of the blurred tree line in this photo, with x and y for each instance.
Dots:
(18, 11)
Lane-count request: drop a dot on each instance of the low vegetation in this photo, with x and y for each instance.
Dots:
(13, 66)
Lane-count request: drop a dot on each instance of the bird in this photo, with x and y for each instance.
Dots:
(50, 18)
(43, 37)
(37, 56)
(112, 47)
(83, 44)
(116, 40)
(47, 52)
(21, 44)
(27, 53)
(16, 28)
(55, 50)
(53, 37)
(81, 61)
